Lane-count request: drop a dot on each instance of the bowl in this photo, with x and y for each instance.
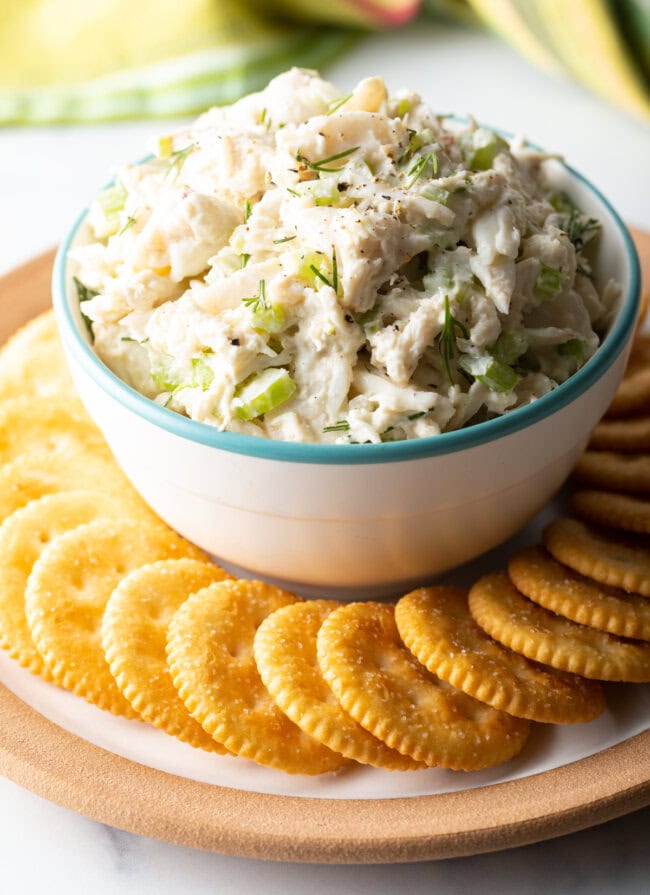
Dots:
(355, 519)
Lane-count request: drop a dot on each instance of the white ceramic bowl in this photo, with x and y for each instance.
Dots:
(375, 517)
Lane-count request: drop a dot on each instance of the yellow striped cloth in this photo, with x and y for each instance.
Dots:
(90, 60)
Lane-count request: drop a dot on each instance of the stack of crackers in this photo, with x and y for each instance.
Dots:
(99, 596)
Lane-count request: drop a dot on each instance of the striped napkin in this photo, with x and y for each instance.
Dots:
(94, 60)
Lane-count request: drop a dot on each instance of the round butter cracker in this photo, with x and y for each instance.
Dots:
(436, 625)
(386, 690)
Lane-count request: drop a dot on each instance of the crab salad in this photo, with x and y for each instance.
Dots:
(308, 266)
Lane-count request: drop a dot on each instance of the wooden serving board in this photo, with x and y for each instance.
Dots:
(50, 761)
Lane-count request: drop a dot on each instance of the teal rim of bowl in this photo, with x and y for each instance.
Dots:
(355, 454)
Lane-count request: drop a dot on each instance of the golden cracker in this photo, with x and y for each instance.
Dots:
(286, 657)
(613, 471)
(32, 361)
(436, 625)
(69, 588)
(38, 472)
(615, 510)
(386, 690)
(523, 626)
(559, 589)
(23, 537)
(610, 558)
(134, 639)
(627, 436)
(633, 394)
(210, 655)
(53, 424)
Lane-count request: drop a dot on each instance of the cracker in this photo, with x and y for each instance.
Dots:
(386, 690)
(633, 394)
(616, 510)
(559, 589)
(286, 657)
(610, 558)
(523, 626)
(626, 436)
(54, 424)
(210, 655)
(134, 638)
(436, 625)
(32, 362)
(23, 537)
(39, 472)
(614, 472)
(67, 593)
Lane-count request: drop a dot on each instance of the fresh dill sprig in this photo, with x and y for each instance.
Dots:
(336, 104)
(321, 276)
(581, 230)
(340, 426)
(257, 302)
(447, 339)
(177, 159)
(420, 166)
(130, 221)
(320, 164)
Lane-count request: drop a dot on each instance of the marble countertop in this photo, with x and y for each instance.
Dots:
(49, 174)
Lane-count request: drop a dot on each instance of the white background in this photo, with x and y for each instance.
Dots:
(47, 175)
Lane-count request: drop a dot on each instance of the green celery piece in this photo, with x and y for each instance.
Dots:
(491, 372)
(575, 348)
(481, 148)
(111, 201)
(510, 346)
(202, 373)
(160, 375)
(436, 194)
(549, 282)
(271, 319)
(262, 393)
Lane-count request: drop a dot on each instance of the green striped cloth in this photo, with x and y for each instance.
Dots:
(82, 60)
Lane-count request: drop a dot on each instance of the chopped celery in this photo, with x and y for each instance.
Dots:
(270, 319)
(436, 194)
(497, 376)
(574, 348)
(202, 373)
(161, 377)
(481, 147)
(403, 107)
(262, 393)
(111, 202)
(112, 199)
(549, 281)
(510, 346)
